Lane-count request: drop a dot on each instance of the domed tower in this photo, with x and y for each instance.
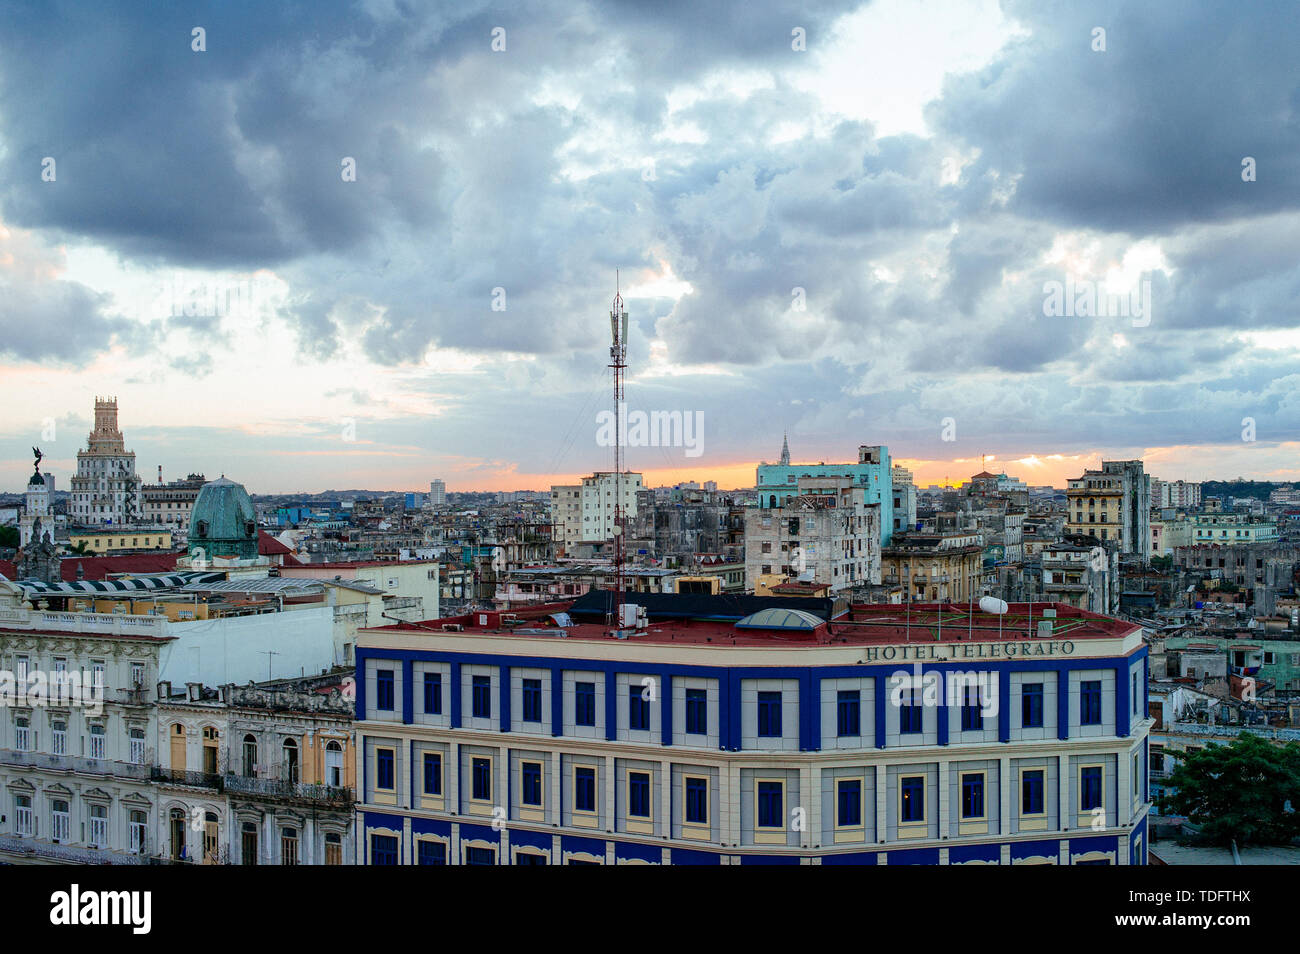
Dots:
(223, 522)
(37, 518)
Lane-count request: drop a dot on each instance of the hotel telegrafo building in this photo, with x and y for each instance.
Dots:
(696, 729)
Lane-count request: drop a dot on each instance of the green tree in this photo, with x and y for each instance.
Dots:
(1243, 791)
(9, 538)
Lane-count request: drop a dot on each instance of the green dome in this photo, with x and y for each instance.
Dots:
(223, 522)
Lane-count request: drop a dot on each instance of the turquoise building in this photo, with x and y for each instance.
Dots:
(776, 483)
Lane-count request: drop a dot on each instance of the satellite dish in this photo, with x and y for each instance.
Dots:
(991, 604)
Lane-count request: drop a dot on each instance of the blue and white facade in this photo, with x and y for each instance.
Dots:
(775, 483)
(493, 747)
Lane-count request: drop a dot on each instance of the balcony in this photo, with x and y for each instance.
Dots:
(31, 848)
(74, 763)
(327, 795)
(189, 779)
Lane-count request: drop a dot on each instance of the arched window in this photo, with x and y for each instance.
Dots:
(96, 741)
(99, 825)
(137, 825)
(250, 756)
(177, 823)
(290, 769)
(288, 846)
(333, 848)
(334, 764)
(203, 528)
(60, 820)
(248, 843)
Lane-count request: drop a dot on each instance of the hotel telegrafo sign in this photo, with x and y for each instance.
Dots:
(943, 652)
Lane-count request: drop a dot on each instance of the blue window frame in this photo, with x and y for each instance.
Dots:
(384, 690)
(481, 779)
(912, 794)
(848, 802)
(432, 773)
(584, 789)
(909, 713)
(972, 718)
(1031, 705)
(972, 795)
(433, 693)
(1031, 793)
(432, 852)
(697, 712)
(1090, 788)
(532, 700)
(1090, 702)
(771, 805)
(697, 801)
(531, 789)
(638, 709)
(482, 697)
(480, 856)
(769, 715)
(531, 858)
(848, 713)
(384, 769)
(383, 849)
(584, 703)
(638, 795)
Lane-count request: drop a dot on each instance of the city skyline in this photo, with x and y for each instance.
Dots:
(384, 249)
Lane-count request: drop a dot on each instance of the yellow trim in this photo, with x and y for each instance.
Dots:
(415, 846)
(693, 830)
(384, 796)
(912, 829)
(767, 834)
(479, 806)
(529, 812)
(643, 824)
(975, 825)
(517, 850)
(1083, 817)
(580, 818)
(1035, 822)
(851, 833)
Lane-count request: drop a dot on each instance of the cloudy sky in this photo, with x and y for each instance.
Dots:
(836, 220)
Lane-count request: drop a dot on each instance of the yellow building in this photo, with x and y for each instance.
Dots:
(102, 542)
(935, 566)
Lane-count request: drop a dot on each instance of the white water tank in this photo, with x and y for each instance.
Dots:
(991, 604)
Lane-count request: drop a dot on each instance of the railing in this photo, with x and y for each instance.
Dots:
(109, 623)
(280, 788)
(74, 763)
(85, 856)
(182, 777)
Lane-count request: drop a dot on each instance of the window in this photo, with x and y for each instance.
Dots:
(250, 756)
(697, 712)
(333, 848)
(912, 799)
(481, 780)
(384, 690)
(531, 788)
(96, 741)
(60, 820)
(848, 713)
(532, 700)
(482, 697)
(22, 734)
(909, 712)
(1031, 793)
(384, 770)
(99, 825)
(432, 773)
(584, 789)
(248, 843)
(769, 715)
(1090, 796)
(383, 849)
(1090, 703)
(136, 746)
(1031, 705)
(584, 703)
(433, 693)
(638, 795)
(972, 795)
(638, 709)
(23, 814)
(59, 737)
(848, 802)
(288, 846)
(972, 719)
(771, 804)
(1134, 695)
(697, 801)
(480, 856)
(431, 852)
(137, 825)
(289, 771)
(530, 858)
(334, 764)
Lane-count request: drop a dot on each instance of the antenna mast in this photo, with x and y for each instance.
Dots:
(618, 361)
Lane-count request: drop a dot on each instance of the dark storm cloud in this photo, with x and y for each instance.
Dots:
(58, 321)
